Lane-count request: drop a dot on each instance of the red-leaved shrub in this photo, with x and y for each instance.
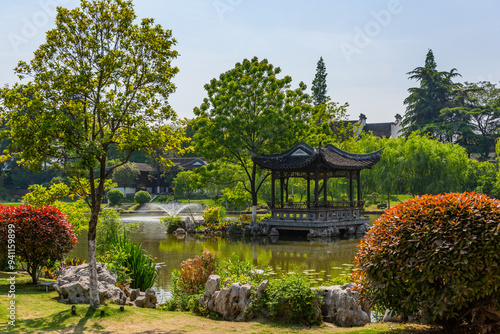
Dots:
(195, 272)
(39, 234)
(438, 256)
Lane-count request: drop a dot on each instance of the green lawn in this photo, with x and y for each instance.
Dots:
(38, 311)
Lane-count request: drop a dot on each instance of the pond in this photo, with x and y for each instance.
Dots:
(287, 253)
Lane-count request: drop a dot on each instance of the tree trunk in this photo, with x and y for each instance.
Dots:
(94, 291)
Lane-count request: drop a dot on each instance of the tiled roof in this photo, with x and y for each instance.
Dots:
(303, 157)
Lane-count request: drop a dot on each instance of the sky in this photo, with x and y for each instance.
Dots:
(368, 46)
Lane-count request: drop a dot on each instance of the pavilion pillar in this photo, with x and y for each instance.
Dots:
(281, 189)
(351, 189)
(308, 190)
(273, 179)
(325, 182)
(358, 177)
(286, 188)
(316, 187)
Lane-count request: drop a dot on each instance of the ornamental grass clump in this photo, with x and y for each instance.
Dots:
(437, 256)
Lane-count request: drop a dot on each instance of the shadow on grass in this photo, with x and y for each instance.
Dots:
(56, 322)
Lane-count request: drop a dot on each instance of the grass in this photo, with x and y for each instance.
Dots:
(40, 312)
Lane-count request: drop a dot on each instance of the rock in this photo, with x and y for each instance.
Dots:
(391, 316)
(339, 305)
(230, 302)
(261, 288)
(260, 229)
(140, 301)
(351, 230)
(274, 232)
(362, 229)
(151, 299)
(180, 231)
(73, 285)
(134, 293)
(211, 286)
(189, 226)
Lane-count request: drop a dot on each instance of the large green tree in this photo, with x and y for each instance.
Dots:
(250, 111)
(424, 104)
(126, 175)
(99, 80)
(319, 87)
(475, 117)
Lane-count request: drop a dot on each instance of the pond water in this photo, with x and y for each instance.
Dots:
(287, 253)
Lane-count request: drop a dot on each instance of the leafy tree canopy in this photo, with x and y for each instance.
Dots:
(424, 103)
(99, 80)
(249, 110)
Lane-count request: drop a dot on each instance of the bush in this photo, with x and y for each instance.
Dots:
(108, 227)
(171, 223)
(115, 196)
(291, 300)
(214, 215)
(195, 272)
(41, 235)
(142, 197)
(236, 270)
(437, 255)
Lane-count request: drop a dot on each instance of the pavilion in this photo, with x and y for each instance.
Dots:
(315, 164)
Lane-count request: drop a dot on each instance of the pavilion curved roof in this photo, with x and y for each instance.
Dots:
(305, 157)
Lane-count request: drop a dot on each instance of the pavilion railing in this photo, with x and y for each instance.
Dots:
(316, 204)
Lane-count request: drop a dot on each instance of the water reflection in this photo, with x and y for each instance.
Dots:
(288, 253)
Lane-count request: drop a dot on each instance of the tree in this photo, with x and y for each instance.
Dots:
(99, 80)
(476, 117)
(319, 84)
(424, 103)
(126, 175)
(249, 111)
(185, 183)
(40, 234)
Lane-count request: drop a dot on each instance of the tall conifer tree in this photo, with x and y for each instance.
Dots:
(319, 84)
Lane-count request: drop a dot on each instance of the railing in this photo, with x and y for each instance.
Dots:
(318, 204)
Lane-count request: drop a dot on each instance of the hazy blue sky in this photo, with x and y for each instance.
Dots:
(368, 46)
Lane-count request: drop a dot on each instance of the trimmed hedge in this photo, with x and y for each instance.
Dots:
(437, 255)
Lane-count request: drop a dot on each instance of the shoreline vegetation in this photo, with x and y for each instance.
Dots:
(38, 311)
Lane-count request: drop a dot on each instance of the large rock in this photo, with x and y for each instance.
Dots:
(189, 225)
(362, 229)
(339, 305)
(230, 302)
(73, 285)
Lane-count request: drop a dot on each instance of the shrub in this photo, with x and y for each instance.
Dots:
(195, 272)
(242, 271)
(41, 235)
(115, 196)
(214, 215)
(291, 300)
(108, 226)
(434, 254)
(171, 223)
(142, 197)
